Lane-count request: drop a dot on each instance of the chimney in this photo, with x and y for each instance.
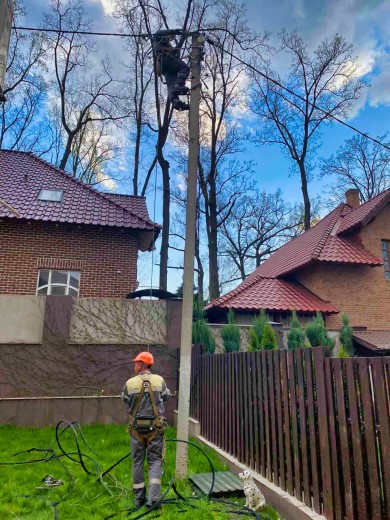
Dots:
(352, 198)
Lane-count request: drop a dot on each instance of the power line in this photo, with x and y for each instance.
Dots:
(91, 33)
(268, 78)
(280, 85)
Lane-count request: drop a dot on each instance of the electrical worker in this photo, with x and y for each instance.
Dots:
(145, 394)
(174, 70)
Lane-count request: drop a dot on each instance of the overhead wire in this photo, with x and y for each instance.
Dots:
(240, 60)
(298, 96)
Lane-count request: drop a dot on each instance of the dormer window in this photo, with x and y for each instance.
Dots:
(51, 195)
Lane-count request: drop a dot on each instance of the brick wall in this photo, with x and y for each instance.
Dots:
(362, 293)
(106, 257)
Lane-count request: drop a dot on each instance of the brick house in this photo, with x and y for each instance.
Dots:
(60, 236)
(340, 266)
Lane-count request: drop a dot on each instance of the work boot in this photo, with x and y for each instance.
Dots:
(180, 90)
(180, 105)
(139, 502)
(152, 504)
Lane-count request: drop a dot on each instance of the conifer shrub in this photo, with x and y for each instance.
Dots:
(345, 337)
(343, 352)
(256, 331)
(230, 334)
(201, 332)
(268, 341)
(295, 336)
(317, 334)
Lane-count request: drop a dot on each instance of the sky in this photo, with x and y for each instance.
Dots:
(363, 23)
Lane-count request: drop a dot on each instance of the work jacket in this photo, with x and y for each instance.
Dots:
(134, 386)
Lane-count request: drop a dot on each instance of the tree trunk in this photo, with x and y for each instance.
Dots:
(305, 193)
(136, 156)
(164, 164)
(66, 153)
(200, 272)
(212, 233)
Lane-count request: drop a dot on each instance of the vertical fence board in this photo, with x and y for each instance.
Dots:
(313, 437)
(294, 424)
(325, 468)
(259, 364)
(241, 409)
(360, 485)
(334, 455)
(278, 393)
(251, 447)
(287, 423)
(229, 403)
(344, 440)
(370, 438)
(274, 444)
(305, 453)
(237, 404)
(246, 408)
(220, 425)
(381, 387)
(267, 429)
(256, 406)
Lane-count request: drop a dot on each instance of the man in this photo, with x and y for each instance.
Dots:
(174, 70)
(145, 394)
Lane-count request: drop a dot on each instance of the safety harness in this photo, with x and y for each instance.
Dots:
(145, 430)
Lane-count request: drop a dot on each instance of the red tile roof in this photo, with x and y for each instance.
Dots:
(337, 249)
(373, 339)
(272, 294)
(23, 175)
(364, 213)
(323, 243)
(132, 203)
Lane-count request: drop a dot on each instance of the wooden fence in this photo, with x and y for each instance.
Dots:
(315, 426)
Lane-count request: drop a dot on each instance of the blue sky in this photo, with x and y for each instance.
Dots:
(365, 24)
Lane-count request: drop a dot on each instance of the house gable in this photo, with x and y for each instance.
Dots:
(359, 291)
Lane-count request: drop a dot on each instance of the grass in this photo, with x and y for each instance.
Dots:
(89, 498)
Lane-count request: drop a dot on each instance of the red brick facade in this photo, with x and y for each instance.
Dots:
(106, 257)
(360, 292)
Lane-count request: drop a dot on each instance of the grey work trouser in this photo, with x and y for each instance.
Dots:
(154, 454)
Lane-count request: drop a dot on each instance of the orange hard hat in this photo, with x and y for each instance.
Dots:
(145, 357)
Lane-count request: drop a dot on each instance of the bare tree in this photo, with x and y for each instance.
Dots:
(258, 225)
(21, 126)
(359, 164)
(93, 149)
(86, 93)
(140, 70)
(326, 80)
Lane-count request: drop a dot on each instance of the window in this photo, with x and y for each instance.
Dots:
(64, 283)
(51, 195)
(386, 257)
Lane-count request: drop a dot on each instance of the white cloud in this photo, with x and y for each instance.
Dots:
(108, 6)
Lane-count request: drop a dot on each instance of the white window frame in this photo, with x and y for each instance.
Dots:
(49, 285)
(51, 195)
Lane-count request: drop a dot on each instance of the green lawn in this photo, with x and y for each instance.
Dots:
(87, 497)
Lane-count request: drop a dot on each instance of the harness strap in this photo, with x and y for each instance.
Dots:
(158, 426)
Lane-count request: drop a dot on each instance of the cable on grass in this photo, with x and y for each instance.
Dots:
(81, 458)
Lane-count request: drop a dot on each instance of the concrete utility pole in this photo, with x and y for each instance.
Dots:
(189, 255)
